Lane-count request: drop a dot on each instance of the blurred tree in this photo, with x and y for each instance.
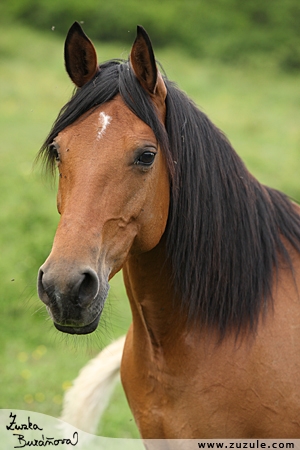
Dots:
(230, 30)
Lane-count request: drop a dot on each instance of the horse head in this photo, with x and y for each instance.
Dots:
(113, 194)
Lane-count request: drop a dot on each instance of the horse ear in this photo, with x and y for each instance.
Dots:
(80, 56)
(144, 66)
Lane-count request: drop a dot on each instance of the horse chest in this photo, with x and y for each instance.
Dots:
(219, 396)
(152, 392)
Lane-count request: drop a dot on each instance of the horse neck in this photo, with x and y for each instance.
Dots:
(147, 280)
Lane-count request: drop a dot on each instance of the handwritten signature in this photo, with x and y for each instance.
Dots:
(42, 441)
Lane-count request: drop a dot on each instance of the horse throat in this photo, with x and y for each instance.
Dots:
(147, 280)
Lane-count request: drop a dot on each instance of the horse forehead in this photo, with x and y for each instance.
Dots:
(112, 120)
(117, 119)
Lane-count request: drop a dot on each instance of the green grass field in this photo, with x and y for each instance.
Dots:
(259, 110)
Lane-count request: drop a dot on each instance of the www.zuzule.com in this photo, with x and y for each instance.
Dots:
(256, 444)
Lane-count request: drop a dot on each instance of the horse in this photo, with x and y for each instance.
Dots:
(210, 256)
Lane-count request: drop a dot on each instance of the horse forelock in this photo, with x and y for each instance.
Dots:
(225, 229)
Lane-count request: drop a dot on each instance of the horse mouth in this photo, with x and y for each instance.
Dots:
(71, 329)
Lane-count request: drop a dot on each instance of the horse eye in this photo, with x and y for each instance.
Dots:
(146, 158)
(53, 149)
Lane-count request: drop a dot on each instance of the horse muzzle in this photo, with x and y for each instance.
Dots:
(74, 296)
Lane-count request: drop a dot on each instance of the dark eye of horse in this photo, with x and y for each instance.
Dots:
(146, 158)
(53, 149)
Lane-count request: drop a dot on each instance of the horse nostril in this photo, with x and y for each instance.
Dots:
(89, 287)
(42, 289)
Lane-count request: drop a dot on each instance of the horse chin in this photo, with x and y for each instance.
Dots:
(86, 329)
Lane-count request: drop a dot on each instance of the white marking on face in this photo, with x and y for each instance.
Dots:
(103, 123)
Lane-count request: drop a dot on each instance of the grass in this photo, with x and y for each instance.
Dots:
(258, 108)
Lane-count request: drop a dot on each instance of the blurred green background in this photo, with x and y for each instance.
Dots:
(238, 60)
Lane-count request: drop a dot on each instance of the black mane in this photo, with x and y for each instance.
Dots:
(225, 230)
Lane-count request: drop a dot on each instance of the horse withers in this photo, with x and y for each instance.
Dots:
(210, 257)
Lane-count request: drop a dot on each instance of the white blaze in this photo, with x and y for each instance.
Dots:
(103, 123)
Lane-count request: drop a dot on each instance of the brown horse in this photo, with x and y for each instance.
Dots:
(211, 258)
